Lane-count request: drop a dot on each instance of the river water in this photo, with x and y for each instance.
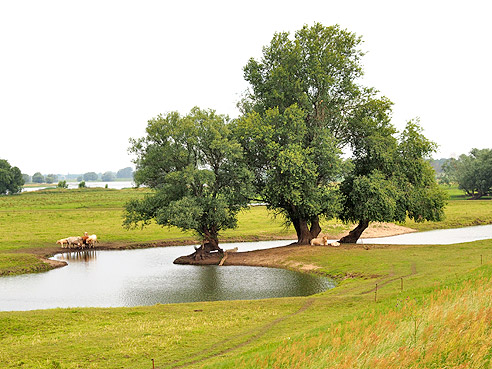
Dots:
(118, 185)
(148, 276)
(436, 237)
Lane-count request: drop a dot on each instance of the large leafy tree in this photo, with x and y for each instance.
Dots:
(37, 177)
(50, 178)
(305, 88)
(390, 179)
(90, 176)
(108, 176)
(294, 173)
(11, 180)
(473, 172)
(305, 105)
(196, 171)
(125, 173)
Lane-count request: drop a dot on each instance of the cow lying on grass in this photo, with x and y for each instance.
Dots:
(323, 242)
(319, 241)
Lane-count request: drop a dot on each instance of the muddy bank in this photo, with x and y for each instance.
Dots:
(275, 257)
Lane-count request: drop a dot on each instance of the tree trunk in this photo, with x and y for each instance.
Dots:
(209, 244)
(355, 233)
(304, 234)
(315, 227)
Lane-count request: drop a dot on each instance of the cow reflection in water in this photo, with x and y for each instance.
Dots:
(86, 255)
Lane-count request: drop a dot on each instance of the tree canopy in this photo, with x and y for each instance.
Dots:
(305, 109)
(390, 180)
(304, 106)
(196, 170)
(295, 175)
(11, 180)
(473, 172)
(51, 178)
(108, 176)
(37, 177)
(90, 176)
(125, 173)
(309, 81)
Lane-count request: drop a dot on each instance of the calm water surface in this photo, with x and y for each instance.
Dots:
(147, 277)
(437, 237)
(118, 185)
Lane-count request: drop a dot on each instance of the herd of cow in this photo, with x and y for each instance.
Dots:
(78, 242)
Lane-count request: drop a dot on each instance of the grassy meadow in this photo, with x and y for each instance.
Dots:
(431, 309)
(36, 220)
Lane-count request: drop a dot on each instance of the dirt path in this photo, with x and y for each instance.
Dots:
(244, 339)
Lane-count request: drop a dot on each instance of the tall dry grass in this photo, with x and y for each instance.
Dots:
(451, 328)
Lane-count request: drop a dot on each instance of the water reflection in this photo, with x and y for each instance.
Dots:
(208, 281)
(86, 256)
(436, 237)
(146, 277)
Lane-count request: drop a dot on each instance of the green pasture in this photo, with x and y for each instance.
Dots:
(38, 219)
(440, 318)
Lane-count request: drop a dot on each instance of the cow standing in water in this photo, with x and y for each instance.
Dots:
(84, 239)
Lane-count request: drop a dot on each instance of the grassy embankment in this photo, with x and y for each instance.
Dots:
(441, 318)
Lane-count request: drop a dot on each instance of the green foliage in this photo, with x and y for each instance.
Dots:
(90, 176)
(196, 170)
(316, 70)
(82, 184)
(62, 184)
(108, 176)
(294, 168)
(38, 178)
(472, 172)
(11, 179)
(125, 173)
(306, 89)
(51, 178)
(391, 179)
(26, 177)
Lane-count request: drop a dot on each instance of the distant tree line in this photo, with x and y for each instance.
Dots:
(38, 177)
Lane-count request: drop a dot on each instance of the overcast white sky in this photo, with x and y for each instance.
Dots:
(79, 78)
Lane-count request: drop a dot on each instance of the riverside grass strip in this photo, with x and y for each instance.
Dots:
(38, 219)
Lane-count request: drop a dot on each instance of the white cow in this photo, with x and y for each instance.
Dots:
(91, 240)
(319, 241)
